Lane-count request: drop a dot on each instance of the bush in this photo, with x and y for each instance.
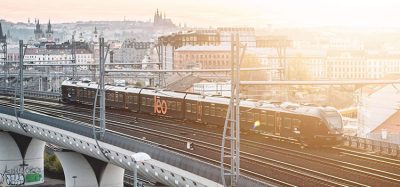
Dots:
(52, 166)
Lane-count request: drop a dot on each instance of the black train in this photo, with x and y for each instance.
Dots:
(310, 125)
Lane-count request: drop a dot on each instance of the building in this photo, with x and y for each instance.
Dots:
(131, 51)
(363, 64)
(197, 37)
(167, 45)
(213, 88)
(247, 35)
(161, 20)
(58, 53)
(40, 35)
(49, 33)
(38, 31)
(202, 57)
(378, 112)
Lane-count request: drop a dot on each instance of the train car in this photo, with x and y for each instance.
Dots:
(69, 91)
(115, 97)
(86, 92)
(310, 125)
(132, 99)
(206, 109)
(162, 103)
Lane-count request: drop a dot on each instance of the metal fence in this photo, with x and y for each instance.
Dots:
(378, 146)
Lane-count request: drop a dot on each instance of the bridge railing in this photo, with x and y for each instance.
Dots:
(32, 93)
(381, 147)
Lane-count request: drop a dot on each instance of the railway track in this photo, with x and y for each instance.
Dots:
(319, 178)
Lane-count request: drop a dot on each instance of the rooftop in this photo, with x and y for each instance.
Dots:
(61, 51)
(197, 48)
(391, 125)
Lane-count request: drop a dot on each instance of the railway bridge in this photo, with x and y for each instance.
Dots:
(90, 163)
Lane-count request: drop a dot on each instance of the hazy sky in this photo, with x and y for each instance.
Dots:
(370, 13)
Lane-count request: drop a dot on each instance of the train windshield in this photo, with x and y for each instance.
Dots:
(334, 119)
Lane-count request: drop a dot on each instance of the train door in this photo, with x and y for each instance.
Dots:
(125, 101)
(278, 123)
(78, 94)
(199, 110)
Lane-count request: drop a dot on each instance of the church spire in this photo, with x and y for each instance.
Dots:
(1, 33)
(49, 27)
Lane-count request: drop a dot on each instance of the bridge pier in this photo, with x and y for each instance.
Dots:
(84, 171)
(21, 160)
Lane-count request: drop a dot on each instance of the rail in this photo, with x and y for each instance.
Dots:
(381, 147)
(32, 93)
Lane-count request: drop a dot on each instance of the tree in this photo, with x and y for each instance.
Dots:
(298, 69)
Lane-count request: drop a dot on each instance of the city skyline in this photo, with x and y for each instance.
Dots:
(258, 13)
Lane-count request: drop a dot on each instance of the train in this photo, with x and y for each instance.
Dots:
(309, 125)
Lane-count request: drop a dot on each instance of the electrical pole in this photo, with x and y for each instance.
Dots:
(21, 76)
(102, 90)
(73, 53)
(232, 121)
(3, 50)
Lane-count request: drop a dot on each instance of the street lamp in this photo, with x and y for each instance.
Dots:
(138, 157)
(74, 177)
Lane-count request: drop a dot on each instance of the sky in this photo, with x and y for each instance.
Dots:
(204, 13)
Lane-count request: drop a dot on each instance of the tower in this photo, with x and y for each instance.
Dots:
(49, 32)
(81, 38)
(157, 18)
(38, 31)
(2, 36)
(95, 38)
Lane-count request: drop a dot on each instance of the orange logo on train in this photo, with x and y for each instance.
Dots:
(160, 106)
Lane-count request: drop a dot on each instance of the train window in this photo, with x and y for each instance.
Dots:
(287, 123)
(206, 110)
(263, 119)
(224, 111)
(143, 101)
(243, 117)
(178, 106)
(250, 117)
(121, 98)
(270, 120)
(296, 123)
(135, 99)
(220, 112)
(112, 97)
(212, 110)
(216, 111)
(188, 109)
(194, 108)
(150, 101)
(173, 105)
(256, 117)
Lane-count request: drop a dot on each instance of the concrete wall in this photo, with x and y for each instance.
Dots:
(20, 165)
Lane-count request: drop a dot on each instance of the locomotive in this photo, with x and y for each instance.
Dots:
(310, 125)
